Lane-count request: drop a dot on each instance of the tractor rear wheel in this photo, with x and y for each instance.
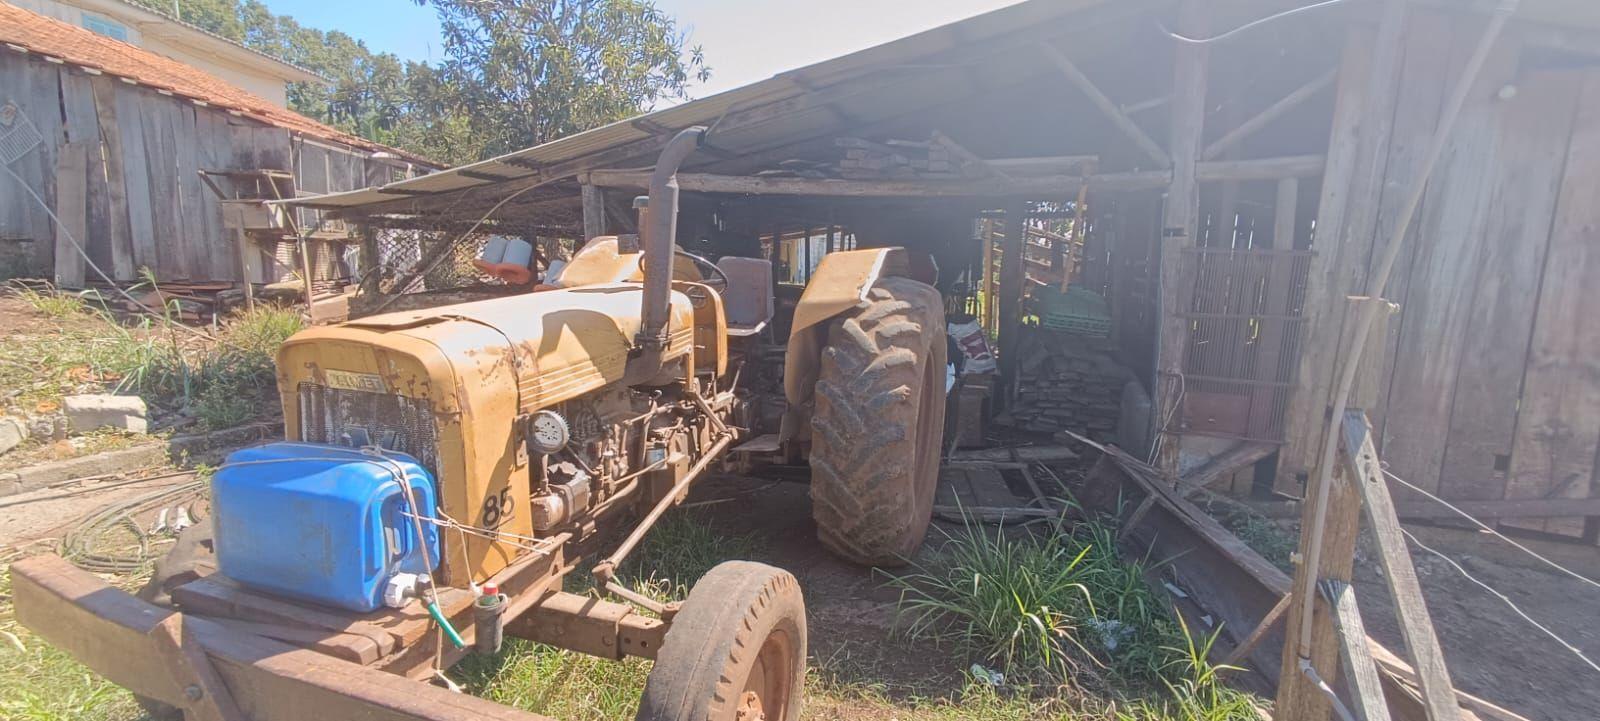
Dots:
(878, 424)
(736, 652)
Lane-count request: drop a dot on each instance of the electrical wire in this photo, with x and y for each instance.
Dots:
(1491, 531)
(1248, 26)
(1504, 599)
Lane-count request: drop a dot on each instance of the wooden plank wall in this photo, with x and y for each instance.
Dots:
(1491, 370)
(137, 199)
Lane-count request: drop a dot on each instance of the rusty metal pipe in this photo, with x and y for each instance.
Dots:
(605, 571)
(660, 238)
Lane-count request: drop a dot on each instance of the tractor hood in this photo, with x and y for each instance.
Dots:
(556, 344)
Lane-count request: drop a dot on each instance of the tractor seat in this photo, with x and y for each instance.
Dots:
(747, 301)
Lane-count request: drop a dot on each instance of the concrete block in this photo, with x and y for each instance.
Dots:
(89, 412)
(12, 432)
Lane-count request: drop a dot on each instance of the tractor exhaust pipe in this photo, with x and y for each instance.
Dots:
(660, 238)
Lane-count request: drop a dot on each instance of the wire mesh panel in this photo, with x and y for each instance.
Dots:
(1244, 340)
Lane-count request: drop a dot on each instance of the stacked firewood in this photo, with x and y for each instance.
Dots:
(1067, 382)
(895, 159)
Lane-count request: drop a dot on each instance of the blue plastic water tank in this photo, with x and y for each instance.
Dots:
(321, 523)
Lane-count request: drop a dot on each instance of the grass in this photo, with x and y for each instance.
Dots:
(40, 683)
(222, 383)
(1061, 613)
(575, 687)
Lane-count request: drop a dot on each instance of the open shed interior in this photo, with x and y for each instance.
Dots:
(1057, 114)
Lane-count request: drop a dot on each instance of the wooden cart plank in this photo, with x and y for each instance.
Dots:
(109, 631)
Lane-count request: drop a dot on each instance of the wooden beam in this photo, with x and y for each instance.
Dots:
(1289, 166)
(1225, 464)
(1048, 165)
(1012, 275)
(1298, 697)
(982, 188)
(594, 211)
(1272, 113)
(1107, 106)
(1416, 625)
(1180, 226)
(1253, 639)
(1040, 185)
(968, 157)
(1360, 671)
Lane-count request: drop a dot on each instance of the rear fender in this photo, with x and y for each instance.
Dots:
(839, 285)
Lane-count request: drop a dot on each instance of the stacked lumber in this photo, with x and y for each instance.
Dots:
(1069, 382)
(895, 159)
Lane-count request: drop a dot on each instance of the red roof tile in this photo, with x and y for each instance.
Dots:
(53, 38)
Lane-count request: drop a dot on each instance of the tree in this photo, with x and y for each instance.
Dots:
(516, 73)
(536, 70)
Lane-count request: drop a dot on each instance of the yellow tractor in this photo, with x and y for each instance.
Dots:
(550, 424)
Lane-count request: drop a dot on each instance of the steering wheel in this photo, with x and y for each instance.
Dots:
(710, 274)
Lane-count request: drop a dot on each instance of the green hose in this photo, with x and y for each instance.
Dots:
(444, 623)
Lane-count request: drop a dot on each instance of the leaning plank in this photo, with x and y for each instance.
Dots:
(1233, 582)
(1223, 465)
(1416, 626)
(109, 631)
(1360, 671)
(1111, 110)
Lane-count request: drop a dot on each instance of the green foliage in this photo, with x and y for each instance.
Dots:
(515, 73)
(537, 70)
(1046, 606)
(58, 306)
(224, 382)
(1062, 607)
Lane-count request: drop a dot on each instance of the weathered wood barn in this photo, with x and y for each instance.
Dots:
(1234, 194)
(137, 153)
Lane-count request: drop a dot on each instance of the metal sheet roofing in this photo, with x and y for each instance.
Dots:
(643, 134)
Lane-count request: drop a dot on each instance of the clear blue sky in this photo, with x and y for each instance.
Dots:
(744, 40)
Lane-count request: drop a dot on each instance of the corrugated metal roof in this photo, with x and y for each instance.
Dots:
(544, 160)
(637, 138)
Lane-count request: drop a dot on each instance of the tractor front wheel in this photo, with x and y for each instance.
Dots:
(878, 424)
(736, 652)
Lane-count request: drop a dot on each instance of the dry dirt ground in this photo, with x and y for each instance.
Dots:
(1492, 652)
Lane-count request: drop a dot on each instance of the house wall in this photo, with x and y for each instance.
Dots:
(119, 164)
(1487, 384)
(150, 31)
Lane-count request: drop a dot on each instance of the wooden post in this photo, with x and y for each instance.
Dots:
(371, 259)
(1012, 275)
(594, 211)
(1182, 219)
(1299, 698)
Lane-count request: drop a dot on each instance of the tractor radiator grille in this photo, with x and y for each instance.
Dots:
(359, 418)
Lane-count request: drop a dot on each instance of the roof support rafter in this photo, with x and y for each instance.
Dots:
(1273, 112)
(1106, 105)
